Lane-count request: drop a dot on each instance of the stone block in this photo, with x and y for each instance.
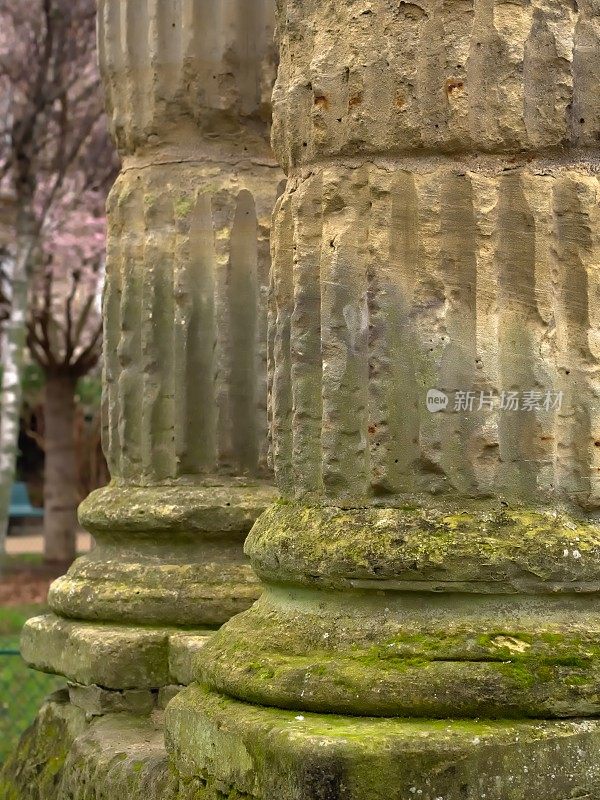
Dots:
(266, 753)
(97, 701)
(66, 756)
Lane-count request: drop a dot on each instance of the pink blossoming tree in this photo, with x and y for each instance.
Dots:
(56, 163)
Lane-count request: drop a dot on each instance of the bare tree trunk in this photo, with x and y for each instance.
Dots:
(60, 471)
(13, 352)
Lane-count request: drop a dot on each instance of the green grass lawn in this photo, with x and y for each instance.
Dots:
(21, 689)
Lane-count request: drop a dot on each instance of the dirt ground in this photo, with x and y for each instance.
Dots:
(26, 586)
(23, 583)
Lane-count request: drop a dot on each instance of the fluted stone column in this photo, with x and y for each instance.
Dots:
(439, 235)
(188, 87)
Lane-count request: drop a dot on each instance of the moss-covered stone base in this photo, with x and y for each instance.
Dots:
(232, 750)
(225, 750)
(431, 611)
(66, 755)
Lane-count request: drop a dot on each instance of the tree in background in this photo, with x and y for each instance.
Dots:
(64, 337)
(56, 162)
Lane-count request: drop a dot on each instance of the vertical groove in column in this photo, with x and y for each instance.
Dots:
(195, 337)
(428, 314)
(166, 50)
(129, 350)
(538, 193)
(497, 46)
(223, 213)
(575, 203)
(200, 365)
(547, 75)
(458, 22)
(487, 322)
(158, 452)
(242, 300)
(249, 40)
(282, 298)
(457, 367)
(111, 56)
(518, 334)
(305, 335)
(136, 49)
(264, 211)
(430, 89)
(111, 302)
(404, 113)
(381, 336)
(403, 391)
(344, 332)
(586, 75)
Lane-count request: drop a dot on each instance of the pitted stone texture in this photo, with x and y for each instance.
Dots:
(475, 277)
(117, 657)
(185, 308)
(97, 701)
(183, 650)
(478, 75)
(173, 70)
(185, 311)
(264, 753)
(63, 756)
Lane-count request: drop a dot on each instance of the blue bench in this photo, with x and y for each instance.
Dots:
(20, 504)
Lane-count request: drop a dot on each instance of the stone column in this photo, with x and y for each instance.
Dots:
(188, 87)
(435, 419)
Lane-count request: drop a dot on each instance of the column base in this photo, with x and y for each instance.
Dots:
(66, 755)
(111, 656)
(170, 554)
(426, 612)
(237, 750)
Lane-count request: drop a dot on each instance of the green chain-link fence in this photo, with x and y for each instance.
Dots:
(21, 692)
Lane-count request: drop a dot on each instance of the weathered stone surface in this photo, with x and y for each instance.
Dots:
(169, 555)
(265, 753)
(97, 701)
(438, 231)
(185, 306)
(188, 94)
(34, 769)
(185, 339)
(63, 756)
(394, 278)
(183, 649)
(431, 236)
(510, 627)
(188, 71)
(119, 755)
(414, 78)
(114, 656)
